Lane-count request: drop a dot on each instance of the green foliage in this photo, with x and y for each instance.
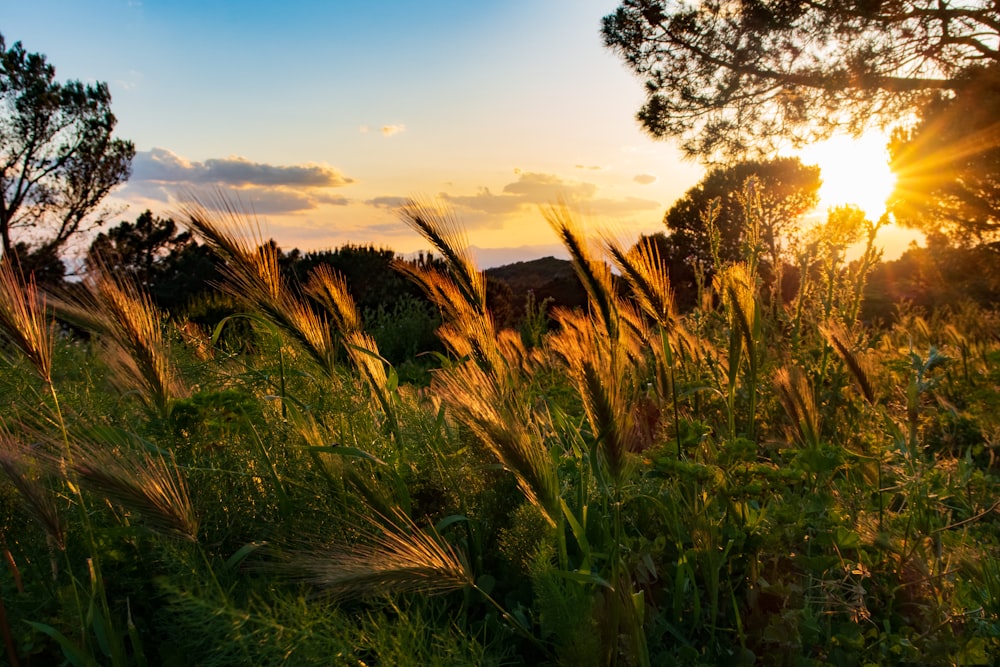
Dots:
(755, 481)
(787, 190)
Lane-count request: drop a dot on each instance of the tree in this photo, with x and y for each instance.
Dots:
(787, 190)
(167, 263)
(738, 77)
(948, 163)
(58, 159)
(138, 249)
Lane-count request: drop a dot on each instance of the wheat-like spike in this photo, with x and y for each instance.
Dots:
(330, 289)
(858, 366)
(600, 378)
(796, 396)
(648, 277)
(23, 320)
(733, 284)
(142, 482)
(251, 266)
(468, 331)
(309, 329)
(15, 461)
(603, 407)
(253, 275)
(595, 275)
(448, 236)
(137, 349)
(439, 288)
(399, 558)
(363, 351)
(479, 400)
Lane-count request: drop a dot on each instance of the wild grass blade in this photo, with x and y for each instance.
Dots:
(399, 557)
(23, 320)
(448, 236)
(141, 481)
(595, 275)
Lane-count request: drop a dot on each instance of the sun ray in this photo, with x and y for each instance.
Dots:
(854, 171)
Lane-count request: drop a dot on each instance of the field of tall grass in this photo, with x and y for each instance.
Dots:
(765, 479)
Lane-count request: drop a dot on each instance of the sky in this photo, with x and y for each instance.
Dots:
(321, 117)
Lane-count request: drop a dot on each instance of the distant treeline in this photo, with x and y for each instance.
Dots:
(180, 274)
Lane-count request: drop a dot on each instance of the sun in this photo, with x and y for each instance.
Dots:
(854, 171)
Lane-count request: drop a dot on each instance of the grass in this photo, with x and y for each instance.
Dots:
(751, 482)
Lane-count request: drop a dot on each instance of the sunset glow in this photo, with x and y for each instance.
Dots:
(854, 171)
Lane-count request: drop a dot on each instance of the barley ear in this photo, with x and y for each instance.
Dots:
(858, 365)
(399, 558)
(23, 320)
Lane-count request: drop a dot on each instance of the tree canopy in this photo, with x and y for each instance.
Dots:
(732, 78)
(58, 159)
(163, 260)
(787, 190)
(948, 164)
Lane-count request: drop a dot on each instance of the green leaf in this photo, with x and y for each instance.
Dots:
(350, 452)
(448, 521)
(71, 651)
(233, 561)
(846, 538)
(138, 655)
(580, 533)
(217, 331)
(583, 578)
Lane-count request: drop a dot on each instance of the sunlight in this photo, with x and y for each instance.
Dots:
(854, 171)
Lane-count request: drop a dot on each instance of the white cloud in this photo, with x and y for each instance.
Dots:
(644, 179)
(389, 130)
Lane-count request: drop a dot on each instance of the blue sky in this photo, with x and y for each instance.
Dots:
(320, 116)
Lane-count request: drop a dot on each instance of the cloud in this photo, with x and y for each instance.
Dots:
(588, 167)
(530, 190)
(545, 188)
(363, 129)
(389, 130)
(387, 202)
(644, 179)
(159, 174)
(160, 164)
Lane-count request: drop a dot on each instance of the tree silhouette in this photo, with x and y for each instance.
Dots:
(734, 79)
(948, 164)
(58, 159)
(787, 190)
(166, 262)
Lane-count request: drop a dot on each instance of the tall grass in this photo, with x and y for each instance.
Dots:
(755, 481)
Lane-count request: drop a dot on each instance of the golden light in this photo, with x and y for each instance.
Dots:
(854, 171)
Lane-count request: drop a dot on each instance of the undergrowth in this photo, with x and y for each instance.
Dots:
(761, 480)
